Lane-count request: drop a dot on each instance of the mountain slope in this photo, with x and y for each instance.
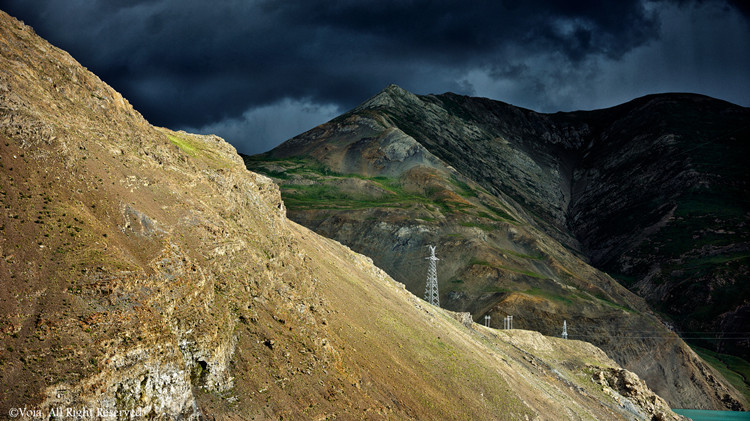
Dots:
(672, 222)
(656, 191)
(147, 273)
(493, 186)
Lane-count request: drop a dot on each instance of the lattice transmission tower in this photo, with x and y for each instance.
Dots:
(431, 292)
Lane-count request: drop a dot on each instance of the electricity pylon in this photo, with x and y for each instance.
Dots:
(431, 292)
(565, 329)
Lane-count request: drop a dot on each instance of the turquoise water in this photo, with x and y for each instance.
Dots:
(704, 415)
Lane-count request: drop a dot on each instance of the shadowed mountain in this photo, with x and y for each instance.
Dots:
(522, 204)
(147, 273)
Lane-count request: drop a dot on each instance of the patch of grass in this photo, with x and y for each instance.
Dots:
(462, 188)
(282, 175)
(734, 369)
(549, 295)
(301, 165)
(606, 301)
(392, 185)
(182, 143)
(196, 149)
(508, 268)
(523, 272)
(716, 260)
(708, 269)
(499, 212)
(310, 166)
(312, 169)
(326, 196)
(486, 215)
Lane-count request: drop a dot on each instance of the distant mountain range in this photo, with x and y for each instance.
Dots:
(548, 217)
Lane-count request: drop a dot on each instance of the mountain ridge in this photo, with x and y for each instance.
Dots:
(654, 105)
(504, 174)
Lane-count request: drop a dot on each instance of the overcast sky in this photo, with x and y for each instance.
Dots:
(258, 72)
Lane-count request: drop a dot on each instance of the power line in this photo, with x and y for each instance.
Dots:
(738, 338)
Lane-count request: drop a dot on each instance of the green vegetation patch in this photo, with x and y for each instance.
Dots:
(309, 168)
(473, 262)
(499, 212)
(295, 165)
(722, 269)
(606, 301)
(324, 194)
(462, 188)
(543, 293)
(523, 272)
(198, 150)
(734, 369)
(187, 146)
(508, 268)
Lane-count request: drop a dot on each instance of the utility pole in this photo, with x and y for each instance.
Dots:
(565, 329)
(431, 291)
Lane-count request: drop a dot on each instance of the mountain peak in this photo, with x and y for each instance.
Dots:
(391, 96)
(394, 89)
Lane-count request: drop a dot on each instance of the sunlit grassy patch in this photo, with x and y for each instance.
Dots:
(198, 150)
(187, 146)
(734, 369)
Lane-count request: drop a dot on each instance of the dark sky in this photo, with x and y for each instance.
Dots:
(257, 72)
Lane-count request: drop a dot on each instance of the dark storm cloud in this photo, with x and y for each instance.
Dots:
(224, 65)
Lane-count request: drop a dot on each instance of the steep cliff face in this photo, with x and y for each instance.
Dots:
(146, 273)
(662, 200)
(497, 188)
(114, 266)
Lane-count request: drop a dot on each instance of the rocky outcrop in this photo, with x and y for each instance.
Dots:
(114, 266)
(633, 395)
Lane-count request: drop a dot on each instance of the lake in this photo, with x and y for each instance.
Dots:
(705, 415)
